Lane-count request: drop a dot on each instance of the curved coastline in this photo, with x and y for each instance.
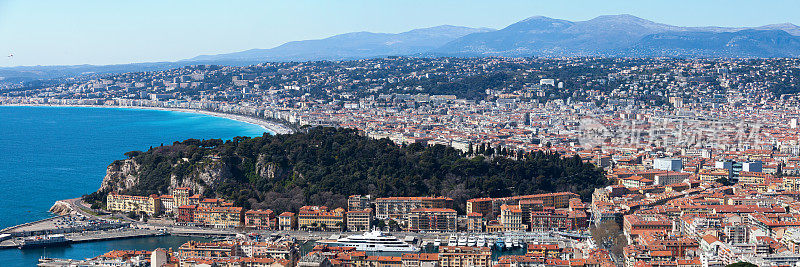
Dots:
(273, 127)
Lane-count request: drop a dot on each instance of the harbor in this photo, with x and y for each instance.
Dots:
(88, 236)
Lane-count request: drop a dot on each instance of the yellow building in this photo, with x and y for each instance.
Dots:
(319, 216)
(791, 183)
(125, 203)
(180, 196)
(287, 221)
(753, 178)
(511, 218)
(711, 175)
(480, 205)
(475, 222)
(220, 217)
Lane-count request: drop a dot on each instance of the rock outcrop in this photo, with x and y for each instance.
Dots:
(61, 208)
(120, 175)
(266, 169)
(124, 175)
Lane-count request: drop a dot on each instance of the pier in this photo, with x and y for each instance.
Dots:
(91, 236)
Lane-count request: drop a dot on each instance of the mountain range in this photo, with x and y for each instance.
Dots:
(354, 45)
(538, 36)
(614, 35)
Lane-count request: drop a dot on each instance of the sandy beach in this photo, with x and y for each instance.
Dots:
(274, 127)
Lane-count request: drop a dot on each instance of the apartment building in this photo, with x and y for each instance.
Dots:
(320, 217)
(635, 225)
(398, 207)
(220, 217)
(511, 218)
(464, 256)
(475, 222)
(433, 219)
(194, 249)
(359, 220)
(180, 196)
(480, 205)
(260, 219)
(358, 202)
(490, 207)
(185, 214)
(287, 221)
(126, 203)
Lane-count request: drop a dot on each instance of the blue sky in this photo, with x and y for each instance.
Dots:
(44, 32)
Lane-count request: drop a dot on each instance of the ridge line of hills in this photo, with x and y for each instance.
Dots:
(537, 36)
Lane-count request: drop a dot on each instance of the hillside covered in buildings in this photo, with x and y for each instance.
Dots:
(323, 166)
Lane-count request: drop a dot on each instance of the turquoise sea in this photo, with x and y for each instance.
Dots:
(53, 153)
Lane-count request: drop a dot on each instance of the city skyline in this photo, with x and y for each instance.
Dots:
(52, 33)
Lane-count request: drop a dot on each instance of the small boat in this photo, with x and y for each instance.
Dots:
(462, 241)
(471, 241)
(515, 242)
(490, 241)
(452, 241)
(509, 243)
(437, 242)
(501, 245)
(481, 241)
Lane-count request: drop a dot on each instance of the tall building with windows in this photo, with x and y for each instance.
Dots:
(180, 196)
(511, 218)
(260, 219)
(399, 207)
(287, 221)
(480, 205)
(359, 220)
(442, 220)
(358, 202)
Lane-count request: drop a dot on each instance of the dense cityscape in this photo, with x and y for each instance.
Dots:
(701, 158)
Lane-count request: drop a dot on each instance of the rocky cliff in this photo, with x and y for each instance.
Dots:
(123, 175)
(61, 208)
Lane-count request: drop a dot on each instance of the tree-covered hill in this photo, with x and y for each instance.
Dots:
(322, 166)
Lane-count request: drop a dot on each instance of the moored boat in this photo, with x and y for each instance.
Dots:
(375, 241)
(44, 241)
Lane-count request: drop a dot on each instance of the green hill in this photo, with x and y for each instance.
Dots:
(323, 166)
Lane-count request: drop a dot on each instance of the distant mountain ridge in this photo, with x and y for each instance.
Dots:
(354, 45)
(608, 35)
(622, 35)
(537, 36)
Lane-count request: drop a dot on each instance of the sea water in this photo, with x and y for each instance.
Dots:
(53, 153)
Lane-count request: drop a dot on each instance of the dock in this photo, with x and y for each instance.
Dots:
(91, 236)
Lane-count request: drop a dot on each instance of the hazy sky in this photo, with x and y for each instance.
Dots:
(43, 32)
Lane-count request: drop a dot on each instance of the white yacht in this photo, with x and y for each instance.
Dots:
(471, 241)
(376, 241)
(437, 242)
